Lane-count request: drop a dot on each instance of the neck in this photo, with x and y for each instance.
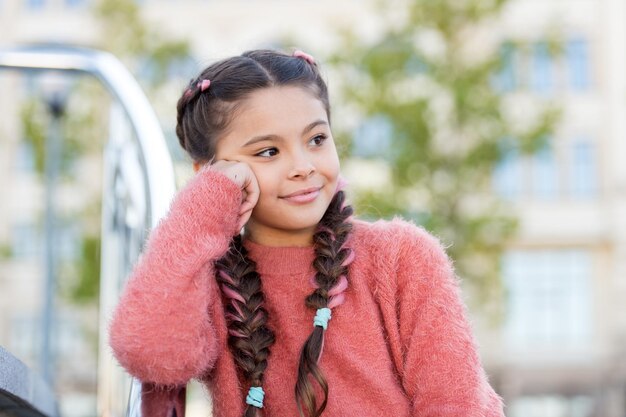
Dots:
(278, 238)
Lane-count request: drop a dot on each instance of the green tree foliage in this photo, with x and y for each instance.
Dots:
(82, 125)
(6, 251)
(130, 37)
(432, 78)
(85, 290)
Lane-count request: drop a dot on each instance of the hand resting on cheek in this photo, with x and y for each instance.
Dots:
(242, 175)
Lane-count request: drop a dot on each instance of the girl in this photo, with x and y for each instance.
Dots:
(308, 311)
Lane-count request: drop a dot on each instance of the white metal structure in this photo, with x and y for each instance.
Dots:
(137, 188)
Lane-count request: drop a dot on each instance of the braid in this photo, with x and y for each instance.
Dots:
(331, 263)
(204, 112)
(249, 338)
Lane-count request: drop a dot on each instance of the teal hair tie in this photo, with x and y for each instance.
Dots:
(321, 317)
(255, 397)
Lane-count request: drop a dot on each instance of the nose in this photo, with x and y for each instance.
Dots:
(302, 167)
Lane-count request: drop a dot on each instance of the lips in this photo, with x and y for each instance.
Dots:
(303, 191)
(305, 195)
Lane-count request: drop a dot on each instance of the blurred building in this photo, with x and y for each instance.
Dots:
(561, 351)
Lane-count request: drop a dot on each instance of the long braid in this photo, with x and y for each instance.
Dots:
(249, 338)
(331, 280)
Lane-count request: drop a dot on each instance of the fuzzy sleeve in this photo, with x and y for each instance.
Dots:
(161, 331)
(441, 371)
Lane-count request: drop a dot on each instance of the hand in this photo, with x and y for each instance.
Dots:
(241, 174)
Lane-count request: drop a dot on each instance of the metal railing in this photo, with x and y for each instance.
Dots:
(138, 185)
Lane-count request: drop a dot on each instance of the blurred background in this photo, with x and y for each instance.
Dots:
(499, 125)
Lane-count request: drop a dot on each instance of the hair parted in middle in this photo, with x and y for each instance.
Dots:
(204, 112)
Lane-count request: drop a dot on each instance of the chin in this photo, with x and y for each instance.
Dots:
(297, 225)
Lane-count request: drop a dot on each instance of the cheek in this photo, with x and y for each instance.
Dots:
(331, 166)
(267, 182)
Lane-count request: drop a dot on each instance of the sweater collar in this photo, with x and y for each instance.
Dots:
(281, 260)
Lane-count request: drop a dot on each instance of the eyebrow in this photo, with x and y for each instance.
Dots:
(261, 138)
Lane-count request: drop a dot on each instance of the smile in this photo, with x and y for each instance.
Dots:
(303, 196)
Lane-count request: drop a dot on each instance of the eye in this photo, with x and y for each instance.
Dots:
(318, 140)
(267, 153)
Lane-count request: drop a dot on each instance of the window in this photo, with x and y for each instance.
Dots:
(577, 64)
(546, 69)
(35, 4)
(546, 177)
(582, 175)
(545, 174)
(506, 78)
(549, 298)
(507, 177)
(75, 3)
(542, 69)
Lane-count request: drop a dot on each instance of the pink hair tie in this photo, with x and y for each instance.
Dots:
(339, 287)
(308, 58)
(348, 259)
(337, 300)
(203, 85)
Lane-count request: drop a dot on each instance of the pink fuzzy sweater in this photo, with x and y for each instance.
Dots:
(400, 345)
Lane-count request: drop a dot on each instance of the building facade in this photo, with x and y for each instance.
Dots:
(560, 352)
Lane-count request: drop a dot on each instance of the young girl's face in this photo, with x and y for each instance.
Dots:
(283, 134)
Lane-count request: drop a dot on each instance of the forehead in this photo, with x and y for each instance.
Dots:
(276, 110)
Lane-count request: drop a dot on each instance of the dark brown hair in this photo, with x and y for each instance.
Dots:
(203, 116)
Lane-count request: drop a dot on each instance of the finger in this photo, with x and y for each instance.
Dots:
(251, 190)
(247, 205)
(246, 212)
(244, 219)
